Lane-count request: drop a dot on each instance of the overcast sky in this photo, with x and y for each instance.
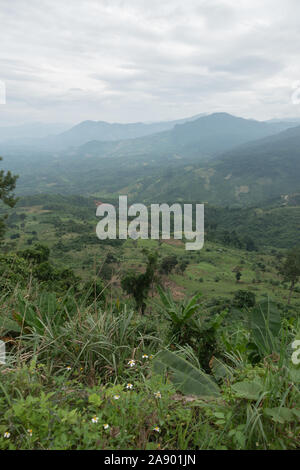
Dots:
(148, 60)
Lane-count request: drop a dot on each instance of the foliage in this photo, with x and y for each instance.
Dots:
(290, 269)
(7, 185)
(138, 285)
(93, 291)
(243, 299)
(188, 329)
(185, 377)
(37, 254)
(71, 349)
(168, 264)
(257, 408)
(179, 314)
(265, 325)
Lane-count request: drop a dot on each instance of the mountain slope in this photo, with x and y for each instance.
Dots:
(205, 136)
(252, 173)
(103, 131)
(93, 130)
(174, 165)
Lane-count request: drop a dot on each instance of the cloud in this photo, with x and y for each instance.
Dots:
(134, 60)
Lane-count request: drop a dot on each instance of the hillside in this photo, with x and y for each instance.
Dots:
(202, 137)
(153, 167)
(86, 370)
(250, 174)
(88, 367)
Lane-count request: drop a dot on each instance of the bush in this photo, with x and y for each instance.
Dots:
(244, 298)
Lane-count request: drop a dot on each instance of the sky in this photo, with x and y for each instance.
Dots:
(148, 60)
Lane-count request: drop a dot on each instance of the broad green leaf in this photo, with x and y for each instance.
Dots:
(186, 378)
(281, 414)
(7, 325)
(248, 390)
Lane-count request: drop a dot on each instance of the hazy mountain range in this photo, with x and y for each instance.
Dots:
(63, 137)
(216, 158)
(56, 137)
(202, 137)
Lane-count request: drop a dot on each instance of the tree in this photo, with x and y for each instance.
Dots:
(7, 185)
(249, 244)
(138, 285)
(244, 298)
(37, 254)
(182, 266)
(238, 273)
(168, 264)
(290, 269)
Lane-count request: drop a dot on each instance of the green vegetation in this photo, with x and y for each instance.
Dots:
(138, 285)
(7, 185)
(291, 269)
(85, 370)
(82, 376)
(215, 159)
(139, 344)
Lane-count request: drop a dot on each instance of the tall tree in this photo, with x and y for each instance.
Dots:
(7, 185)
(138, 285)
(290, 269)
